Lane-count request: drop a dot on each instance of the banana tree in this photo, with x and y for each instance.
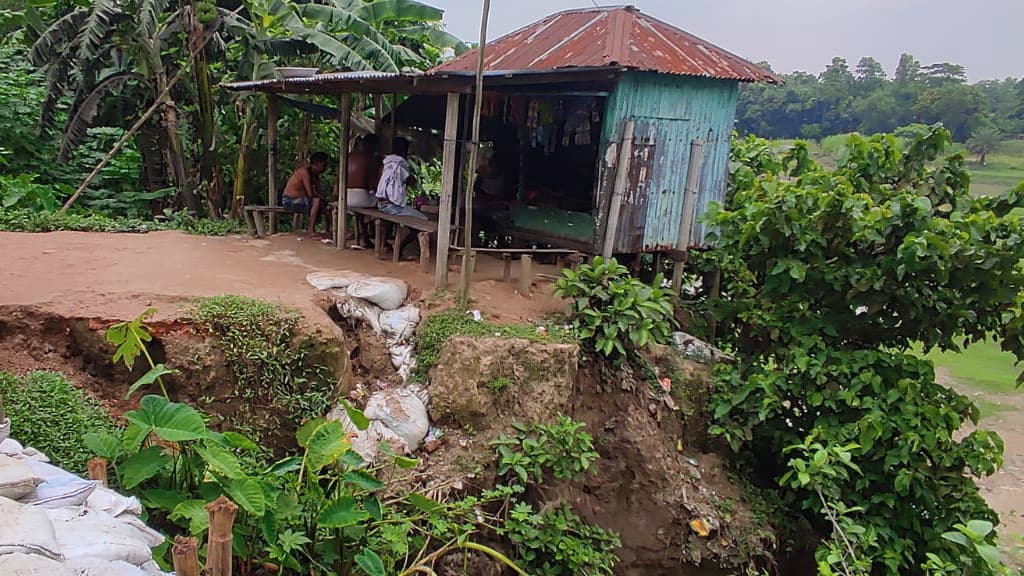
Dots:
(105, 49)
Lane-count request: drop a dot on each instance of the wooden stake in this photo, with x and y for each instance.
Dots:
(474, 151)
(378, 120)
(424, 239)
(689, 205)
(272, 159)
(444, 224)
(342, 215)
(185, 556)
(525, 275)
(618, 191)
(97, 469)
(218, 554)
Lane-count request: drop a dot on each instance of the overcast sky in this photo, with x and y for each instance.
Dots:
(983, 35)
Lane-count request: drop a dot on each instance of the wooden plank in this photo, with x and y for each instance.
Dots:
(249, 225)
(346, 125)
(444, 225)
(525, 274)
(566, 251)
(258, 220)
(407, 221)
(271, 159)
(424, 238)
(618, 192)
(689, 205)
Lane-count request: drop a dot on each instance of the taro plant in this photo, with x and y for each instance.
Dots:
(614, 313)
(130, 339)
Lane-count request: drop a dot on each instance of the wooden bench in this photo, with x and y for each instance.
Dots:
(254, 215)
(426, 229)
(525, 261)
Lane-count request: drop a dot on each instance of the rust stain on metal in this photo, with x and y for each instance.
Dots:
(604, 37)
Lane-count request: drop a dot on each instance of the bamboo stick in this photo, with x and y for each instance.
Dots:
(185, 556)
(689, 205)
(218, 554)
(619, 189)
(98, 470)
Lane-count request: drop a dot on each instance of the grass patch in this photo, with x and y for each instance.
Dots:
(48, 413)
(438, 328)
(37, 221)
(259, 340)
(981, 365)
(497, 385)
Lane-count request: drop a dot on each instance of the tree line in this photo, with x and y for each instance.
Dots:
(866, 99)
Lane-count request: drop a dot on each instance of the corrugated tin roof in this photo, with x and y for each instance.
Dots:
(619, 36)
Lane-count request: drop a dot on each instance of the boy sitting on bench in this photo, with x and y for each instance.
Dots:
(301, 193)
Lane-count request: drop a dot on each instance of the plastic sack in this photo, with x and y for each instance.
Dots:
(16, 479)
(399, 325)
(358, 309)
(99, 567)
(18, 564)
(403, 359)
(333, 279)
(106, 500)
(5, 430)
(100, 535)
(403, 412)
(367, 442)
(11, 447)
(387, 293)
(62, 492)
(26, 530)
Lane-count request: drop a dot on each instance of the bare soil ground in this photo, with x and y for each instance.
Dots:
(118, 275)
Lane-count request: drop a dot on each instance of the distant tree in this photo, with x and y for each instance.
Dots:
(984, 141)
(908, 70)
(870, 75)
(943, 73)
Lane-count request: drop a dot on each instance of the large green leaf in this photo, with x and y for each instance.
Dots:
(369, 560)
(363, 480)
(195, 512)
(162, 499)
(142, 466)
(103, 444)
(248, 494)
(326, 445)
(344, 511)
(148, 378)
(170, 421)
(220, 460)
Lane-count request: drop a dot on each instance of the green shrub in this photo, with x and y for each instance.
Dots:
(562, 451)
(613, 312)
(559, 543)
(48, 413)
(31, 220)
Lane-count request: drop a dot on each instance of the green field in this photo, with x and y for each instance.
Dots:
(982, 366)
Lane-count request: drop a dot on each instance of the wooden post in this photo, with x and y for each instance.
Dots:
(444, 224)
(474, 150)
(525, 275)
(378, 119)
(716, 293)
(342, 216)
(396, 246)
(218, 552)
(461, 159)
(185, 556)
(689, 205)
(424, 239)
(378, 238)
(506, 272)
(272, 159)
(97, 469)
(619, 190)
(394, 122)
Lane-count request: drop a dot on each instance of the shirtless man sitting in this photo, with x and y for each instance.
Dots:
(301, 191)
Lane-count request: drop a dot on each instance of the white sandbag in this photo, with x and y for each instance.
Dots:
(399, 326)
(403, 358)
(151, 537)
(5, 430)
(151, 568)
(106, 500)
(100, 567)
(367, 442)
(100, 535)
(61, 492)
(333, 279)
(48, 471)
(402, 411)
(18, 564)
(359, 309)
(388, 293)
(33, 454)
(16, 479)
(26, 530)
(11, 447)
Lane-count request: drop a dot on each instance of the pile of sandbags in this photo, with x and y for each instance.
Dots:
(378, 302)
(398, 417)
(55, 523)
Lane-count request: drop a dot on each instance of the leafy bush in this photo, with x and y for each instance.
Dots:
(563, 451)
(436, 329)
(48, 413)
(259, 340)
(613, 312)
(28, 220)
(559, 543)
(23, 191)
(829, 278)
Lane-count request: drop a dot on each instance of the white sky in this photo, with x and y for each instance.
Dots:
(983, 35)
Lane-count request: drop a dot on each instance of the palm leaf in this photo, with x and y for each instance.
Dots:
(381, 11)
(78, 124)
(52, 42)
(148, 16)
(59, 78)
(97, 26)
(436, 36)
(336, 52)
(385, 56)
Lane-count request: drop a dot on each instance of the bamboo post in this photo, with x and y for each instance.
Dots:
(474, 150)
(378, 119)
(185, 556)
(444, 224)
(342, 216)
(619, 189)
(525, 275)
(218, 553)
(424, 240)
(689, 205)
(97, 469)
(394, 121)
(272, 159)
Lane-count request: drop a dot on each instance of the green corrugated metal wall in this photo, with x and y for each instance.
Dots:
(670, 112)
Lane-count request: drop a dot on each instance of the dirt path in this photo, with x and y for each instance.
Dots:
(1004, 491)
(119, 275)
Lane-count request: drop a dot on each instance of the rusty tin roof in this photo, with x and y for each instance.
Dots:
(619, 36)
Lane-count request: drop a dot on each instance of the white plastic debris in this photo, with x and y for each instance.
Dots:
(696, 349)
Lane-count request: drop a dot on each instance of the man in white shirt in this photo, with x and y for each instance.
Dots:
(395, 176)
